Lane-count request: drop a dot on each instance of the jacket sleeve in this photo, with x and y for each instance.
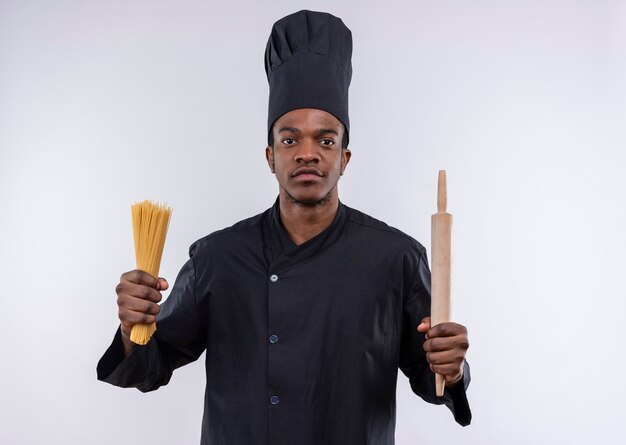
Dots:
(180, 338)
(413, 361)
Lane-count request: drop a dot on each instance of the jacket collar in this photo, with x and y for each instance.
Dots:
(281, 251)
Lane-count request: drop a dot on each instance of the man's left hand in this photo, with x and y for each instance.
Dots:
(445, 347)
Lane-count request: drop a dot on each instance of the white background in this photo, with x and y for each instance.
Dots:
(523, 103)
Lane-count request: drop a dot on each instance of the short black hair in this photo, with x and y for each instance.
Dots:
(344, 139)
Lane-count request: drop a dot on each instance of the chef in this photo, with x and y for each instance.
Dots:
(308, 310)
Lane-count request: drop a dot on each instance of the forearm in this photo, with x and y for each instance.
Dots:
(179, 339)
(143, 367)
(422, 381)
(128, 345)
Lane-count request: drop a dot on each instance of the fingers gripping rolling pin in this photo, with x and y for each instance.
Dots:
(441, 254)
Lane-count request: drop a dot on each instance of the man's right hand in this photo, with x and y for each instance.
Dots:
(137, 296)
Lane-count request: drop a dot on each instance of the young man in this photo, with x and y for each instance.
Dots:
(308, 310)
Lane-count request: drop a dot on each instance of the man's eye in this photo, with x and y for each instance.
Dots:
(289, 141)
(327, 142)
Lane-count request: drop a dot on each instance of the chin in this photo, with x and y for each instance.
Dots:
(308, 200)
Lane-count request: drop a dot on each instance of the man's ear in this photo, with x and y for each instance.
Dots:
(269, 156)
(345, 158)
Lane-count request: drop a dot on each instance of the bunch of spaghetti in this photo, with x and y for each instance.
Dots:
(150, 223)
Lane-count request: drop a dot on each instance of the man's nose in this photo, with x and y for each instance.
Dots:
(308, 152)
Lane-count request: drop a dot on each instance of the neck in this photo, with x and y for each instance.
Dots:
(304, 221)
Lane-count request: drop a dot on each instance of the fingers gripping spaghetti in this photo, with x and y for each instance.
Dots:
(150, 223)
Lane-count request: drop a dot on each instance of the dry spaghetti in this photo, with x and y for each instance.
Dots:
(150, 223)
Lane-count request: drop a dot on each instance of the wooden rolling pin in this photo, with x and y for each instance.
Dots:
(441, 254)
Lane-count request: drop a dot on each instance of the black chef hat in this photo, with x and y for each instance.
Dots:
(307, 62)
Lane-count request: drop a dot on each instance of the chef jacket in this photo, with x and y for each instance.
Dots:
(303, 342)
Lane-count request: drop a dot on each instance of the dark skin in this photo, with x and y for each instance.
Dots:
(446, 345)
(308, 160)
(138, 295)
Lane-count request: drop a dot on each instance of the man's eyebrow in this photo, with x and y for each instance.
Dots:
(290, 129)
(322, 131)
(318, 132)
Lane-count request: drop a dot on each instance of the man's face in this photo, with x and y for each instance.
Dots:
(307, 157)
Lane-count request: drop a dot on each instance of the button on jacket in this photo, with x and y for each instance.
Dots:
(303, 343)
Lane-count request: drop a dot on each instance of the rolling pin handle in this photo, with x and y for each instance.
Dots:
(442, 193)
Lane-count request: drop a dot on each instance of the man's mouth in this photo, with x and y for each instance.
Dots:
(308, 171)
